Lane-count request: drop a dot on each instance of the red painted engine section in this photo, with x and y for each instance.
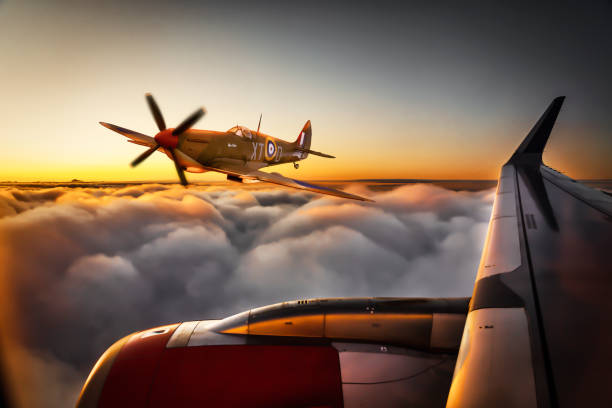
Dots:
(147, 374)
(130, 378)
(165, 138)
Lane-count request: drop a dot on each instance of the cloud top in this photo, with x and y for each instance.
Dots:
(89, 265)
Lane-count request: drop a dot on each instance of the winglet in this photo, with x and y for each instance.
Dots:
(533, 145)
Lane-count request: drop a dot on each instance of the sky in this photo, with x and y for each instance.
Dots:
(435, 90)
(83, 267)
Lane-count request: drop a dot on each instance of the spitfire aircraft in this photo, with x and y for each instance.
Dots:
(536, 331)
(239, 152)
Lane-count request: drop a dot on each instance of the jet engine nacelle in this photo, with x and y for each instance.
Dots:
(306, 353)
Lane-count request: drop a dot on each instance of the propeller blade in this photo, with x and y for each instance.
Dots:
(189, 122)
(179, 170)
(143, 156)
(157, 115)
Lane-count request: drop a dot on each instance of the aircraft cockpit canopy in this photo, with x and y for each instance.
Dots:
(241, 131)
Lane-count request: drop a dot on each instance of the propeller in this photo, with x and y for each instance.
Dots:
(168, 138)
(157, 115)
(189, 122)
(143, 156)
(179, 169)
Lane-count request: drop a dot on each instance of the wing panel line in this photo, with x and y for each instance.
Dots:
(552, 391)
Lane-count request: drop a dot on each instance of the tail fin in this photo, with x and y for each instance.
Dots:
(303, 141)
(302, 145)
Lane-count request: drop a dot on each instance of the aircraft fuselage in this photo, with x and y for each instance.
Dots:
(254, 149)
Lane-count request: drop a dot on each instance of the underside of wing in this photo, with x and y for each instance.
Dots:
(135, 137)
(276, 178)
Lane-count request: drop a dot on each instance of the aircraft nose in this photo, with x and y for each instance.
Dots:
(165, 138)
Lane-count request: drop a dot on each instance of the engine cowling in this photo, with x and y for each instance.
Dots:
(307, 353)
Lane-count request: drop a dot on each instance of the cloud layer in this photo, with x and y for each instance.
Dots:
(89, 265)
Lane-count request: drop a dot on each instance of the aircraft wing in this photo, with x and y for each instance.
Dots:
(135, 137)
(539, 327)
(276, 178)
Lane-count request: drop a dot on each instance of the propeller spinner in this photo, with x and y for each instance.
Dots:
(168, 138)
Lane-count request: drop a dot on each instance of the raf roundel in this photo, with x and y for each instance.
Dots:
(270, 149)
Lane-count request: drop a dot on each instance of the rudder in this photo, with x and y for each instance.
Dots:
(303, 140)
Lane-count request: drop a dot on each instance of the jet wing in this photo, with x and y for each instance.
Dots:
(135, 137)
(276, 178)
(539, 326)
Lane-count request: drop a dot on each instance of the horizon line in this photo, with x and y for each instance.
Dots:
(373, 180)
